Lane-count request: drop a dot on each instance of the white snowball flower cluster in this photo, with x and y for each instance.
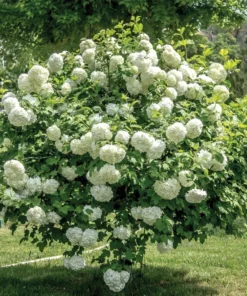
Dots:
(173, 77)
(204, 158)
(194, 128)
(60, 144)
(31, 100)
(136, 213)
(221, 92)
(151, 214)
(34, 185)
(79, 74)
(107, 174)
(185, 178)
(112, 109)
(219, 166)
(142, 141)
(14, 173)
(156, 150)
(50, 186)
(99, 77)
(19, 117)
(176, 132)
(66, 88)
(122, 137)
(36, 215)
(78, 60)
(74, 263)
(121, 232)
(133, 85)
(217, 72)
(115, 61)
(101, 131)
(194, 91)
(112, 153)
(170, 56)
(55, 63)
(95, 118)
(125, 110)
(92, 213)
(86, 44)
(8, 95)
(88, 56)
(204, 79)
(166, 105)
(53, 133)
(10, 103)
(86, 238)
(189, 74)
(69, 173)
(153, 112)
(36, 77)
(82, 145)
(181, 88)
(214, 112)
(168, 189)
(115, 280)
(53, 217)
(164, 248)
(172, 93)
(102, 193)
(195, 195)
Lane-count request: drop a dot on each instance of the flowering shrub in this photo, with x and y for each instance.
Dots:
(123, 137)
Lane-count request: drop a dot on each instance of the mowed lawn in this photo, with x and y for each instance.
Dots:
(219, 267)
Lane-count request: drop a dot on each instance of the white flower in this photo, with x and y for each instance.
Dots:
(37, 76)
(194, 91)
(53, 133)
(185, 178)
(166, 106)
(8, 95)
(78, 60)
(95, 118)
(122, 137)
(176, 132)
(74, 235)
(204, 79)
(50, 186)
(92, 213)
(145, 44)
(171, 92)
(101, 131)
(181, 88)
(195, 195)
(31, 100)
(204, 158)
(121, 232)
(156, 150)
(46, 90)
(214, 112)
(142, 141)
(153, 58)
(96, 178)
(11, 194)
(136, 213)
(115, 61)
(14, 169)
(125, 110)
(69, 173)
(153, 112)
(77, 147)
(188, 73)
(221, 92)
(217, 72)
(151, 214)
(99, 77)
(219, 166)
(32, 117)
(109, 174)
(133, 85)
(168, 189)
(89, 56)
(36, 215)
(79, 74)
(34, 185)
(194, 128)
(171, 80)
(170, 56)
(24, 83)
(53, 217)
(102, 193)
(18, 184)
(89, 238)
(74, 263)
(19, 117)
(112, 109)
(164, 248)
(143, 36)
(140, 60)
(55, 63)
(116, 280)
(86, 44)
(10, 103)
(65, 88)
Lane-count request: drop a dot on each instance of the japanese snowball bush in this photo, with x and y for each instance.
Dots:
(120, 137)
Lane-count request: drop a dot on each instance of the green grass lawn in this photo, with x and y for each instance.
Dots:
(219, 267)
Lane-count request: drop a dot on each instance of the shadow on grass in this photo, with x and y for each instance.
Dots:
(55, 280)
